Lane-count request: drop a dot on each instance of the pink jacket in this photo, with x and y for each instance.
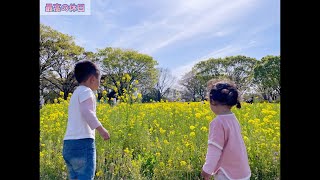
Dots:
(226, 149)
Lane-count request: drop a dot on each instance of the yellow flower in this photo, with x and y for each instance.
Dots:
(192, 134)
(251, 121)
(99, 173)
(209, 118)
(127, 76)
(245, 138)
(274, 146)
(183, 163)
(192, 127)
(204, 128)
(198, 115)
(127, 151)
(162, 131)
(166, 141)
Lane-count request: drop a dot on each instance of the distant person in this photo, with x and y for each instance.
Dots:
(226, 156)
(114, 101)
(250, 100)
(79, 150)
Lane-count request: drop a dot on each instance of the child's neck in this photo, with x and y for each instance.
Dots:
(86, 83)
(223, 111)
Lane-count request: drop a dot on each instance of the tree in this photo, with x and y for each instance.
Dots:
(238, 69)
(162, 88)
(58, 55)
(267, 77)
(125, 69)
(205, 71)
(194, 88)
(165, 82)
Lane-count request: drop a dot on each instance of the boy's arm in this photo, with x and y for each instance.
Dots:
(87, 111)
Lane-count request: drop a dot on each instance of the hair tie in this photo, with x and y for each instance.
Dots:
(225, 91)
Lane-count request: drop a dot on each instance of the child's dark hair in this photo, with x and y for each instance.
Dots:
(224, 93)
(84, 69)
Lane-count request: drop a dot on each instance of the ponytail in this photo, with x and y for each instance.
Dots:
(238, 105)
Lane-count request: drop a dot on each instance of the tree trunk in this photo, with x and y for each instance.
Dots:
(158, 96)
(66, 92)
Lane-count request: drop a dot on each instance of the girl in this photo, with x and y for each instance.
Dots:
(226, 157)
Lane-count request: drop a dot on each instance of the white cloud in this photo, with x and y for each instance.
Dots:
(182, 70)
(171, 21)
(184, 20)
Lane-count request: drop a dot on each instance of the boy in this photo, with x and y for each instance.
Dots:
(79, 150)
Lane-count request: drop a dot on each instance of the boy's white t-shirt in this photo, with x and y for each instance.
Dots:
(78, 127)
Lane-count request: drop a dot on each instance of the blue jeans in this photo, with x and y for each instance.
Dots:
(80, 157)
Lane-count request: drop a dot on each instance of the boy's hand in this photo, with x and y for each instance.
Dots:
(103, 132)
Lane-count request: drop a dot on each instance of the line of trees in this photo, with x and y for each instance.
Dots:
(253, 77)
(127, 71)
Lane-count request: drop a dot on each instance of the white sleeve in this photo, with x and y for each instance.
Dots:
(215, 147)
(212, 158)
(87, 111)
(85, 95)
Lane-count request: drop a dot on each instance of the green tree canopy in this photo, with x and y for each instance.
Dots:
(267, 77)
(124, 69)
(58, 54)
(238, 69)
(194, 86)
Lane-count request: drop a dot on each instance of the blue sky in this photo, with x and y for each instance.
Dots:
(177, 33)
